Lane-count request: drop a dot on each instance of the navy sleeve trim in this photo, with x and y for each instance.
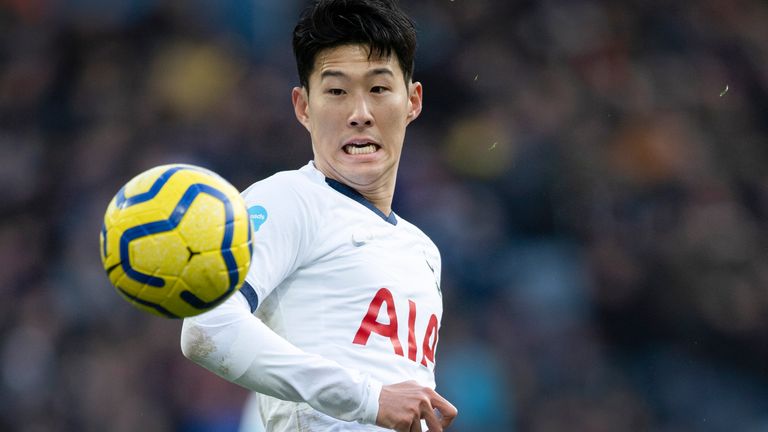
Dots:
(250, 294)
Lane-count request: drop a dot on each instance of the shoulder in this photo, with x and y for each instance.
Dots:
(296, 195)
(285, 182)
(416, 232)
(303, 186)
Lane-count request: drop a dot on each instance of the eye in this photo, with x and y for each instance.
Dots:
(378, 89)
(336, 91)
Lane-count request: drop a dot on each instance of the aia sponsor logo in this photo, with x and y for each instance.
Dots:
(370, 324)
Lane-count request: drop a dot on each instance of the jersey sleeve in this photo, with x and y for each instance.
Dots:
(234, 344)
(283, 226)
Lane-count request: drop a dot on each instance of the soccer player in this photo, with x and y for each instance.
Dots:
(337, 324)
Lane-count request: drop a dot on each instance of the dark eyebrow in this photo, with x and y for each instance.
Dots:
(340, 74)
(381, 71)
(332, 73)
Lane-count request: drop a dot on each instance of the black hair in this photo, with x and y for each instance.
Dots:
(379, 24)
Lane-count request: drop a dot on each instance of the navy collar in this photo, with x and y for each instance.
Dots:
(357, 196)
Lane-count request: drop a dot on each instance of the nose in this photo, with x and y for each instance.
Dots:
(361, 114)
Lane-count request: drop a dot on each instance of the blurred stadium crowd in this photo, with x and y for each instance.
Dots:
(594, 173)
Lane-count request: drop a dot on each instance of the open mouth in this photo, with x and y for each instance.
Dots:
(360, 149)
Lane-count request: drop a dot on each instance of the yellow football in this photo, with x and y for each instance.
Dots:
(176, 240)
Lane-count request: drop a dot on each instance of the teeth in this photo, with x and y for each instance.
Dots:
(358, 149)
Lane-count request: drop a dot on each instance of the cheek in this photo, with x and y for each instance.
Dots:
(323, 121)
(393, 115)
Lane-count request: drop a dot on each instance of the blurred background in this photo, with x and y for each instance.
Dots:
(594, 173)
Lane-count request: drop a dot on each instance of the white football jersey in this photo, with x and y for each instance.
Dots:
(334, 276)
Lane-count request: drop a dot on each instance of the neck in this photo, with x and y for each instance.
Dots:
(382, 200)
(378, 192)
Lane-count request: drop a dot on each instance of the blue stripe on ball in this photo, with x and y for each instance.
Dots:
(122, 202)
(155, 306)
(171, 223)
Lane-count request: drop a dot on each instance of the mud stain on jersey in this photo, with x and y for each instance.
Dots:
(201, 345)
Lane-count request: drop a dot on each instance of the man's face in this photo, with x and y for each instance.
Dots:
(356, 112)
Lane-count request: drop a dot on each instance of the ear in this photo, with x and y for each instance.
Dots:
(414, 101)
(300, 99)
